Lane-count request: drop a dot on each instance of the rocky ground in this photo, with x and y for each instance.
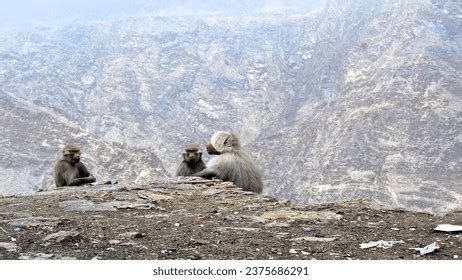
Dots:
(209, 220)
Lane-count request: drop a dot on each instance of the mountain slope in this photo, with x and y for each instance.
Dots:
(359, 99)
(34, 137)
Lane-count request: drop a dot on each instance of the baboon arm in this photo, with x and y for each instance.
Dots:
(182, 170)
(81, 181)
(207, 173)
(83, 171)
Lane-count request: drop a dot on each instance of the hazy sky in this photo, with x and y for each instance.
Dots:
(26, 12)
(55, 11)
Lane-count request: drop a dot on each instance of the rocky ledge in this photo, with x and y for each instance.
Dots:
(197, 219)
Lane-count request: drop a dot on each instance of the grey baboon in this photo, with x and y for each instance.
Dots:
(69, 171)
(192, 161)
(232, 163)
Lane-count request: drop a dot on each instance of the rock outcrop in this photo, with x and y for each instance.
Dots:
(194, 219)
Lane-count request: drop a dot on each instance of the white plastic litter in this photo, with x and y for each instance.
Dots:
(428, 249)
(448, 228)
(380, 244)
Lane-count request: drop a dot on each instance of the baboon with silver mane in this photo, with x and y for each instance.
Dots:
(232, 163)
(69, 171)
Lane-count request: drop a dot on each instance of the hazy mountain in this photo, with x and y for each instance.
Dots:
(358, 99)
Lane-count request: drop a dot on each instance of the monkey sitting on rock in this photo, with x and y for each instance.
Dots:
(232, 163)
(192, 161)
(69, 171)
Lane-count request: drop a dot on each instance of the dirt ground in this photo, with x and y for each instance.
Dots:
(209, 220)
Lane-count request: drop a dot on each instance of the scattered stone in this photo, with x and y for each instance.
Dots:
(375, 223)
(256, 219)
(83, 205)
(301, 215)
(15, 204)
(199, 241)
(412, 229)
(131, 234)
(211, 192)
(177, 224)
(293, 251)
(253, 206)
(380, 244)
(114, 241)
(62, 236)
(151, 216)
(134, 245)
(277, 224)
(395, 229)
(199, 219)
(313, 239)
(152, 196)
(33, 222)
(123, 195)
(224, 229)
(456, 256)
(10, 247)
(131, 205)
(307, 229)
(232, 218)
(43, 256)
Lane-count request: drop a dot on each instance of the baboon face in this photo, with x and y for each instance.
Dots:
(211, 150)
(71, 154)
(222, 142)
(192, 156)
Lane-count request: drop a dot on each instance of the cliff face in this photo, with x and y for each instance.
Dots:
(190, 219)
(387, 122)
(357, 99)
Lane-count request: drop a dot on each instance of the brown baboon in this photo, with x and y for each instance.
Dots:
(192, 161)
(69, 171)
(232, 163)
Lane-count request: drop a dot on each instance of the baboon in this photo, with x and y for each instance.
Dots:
(192, 161)
(69, 171)
(232, 163)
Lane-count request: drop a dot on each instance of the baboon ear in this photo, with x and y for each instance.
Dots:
(226, 141)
